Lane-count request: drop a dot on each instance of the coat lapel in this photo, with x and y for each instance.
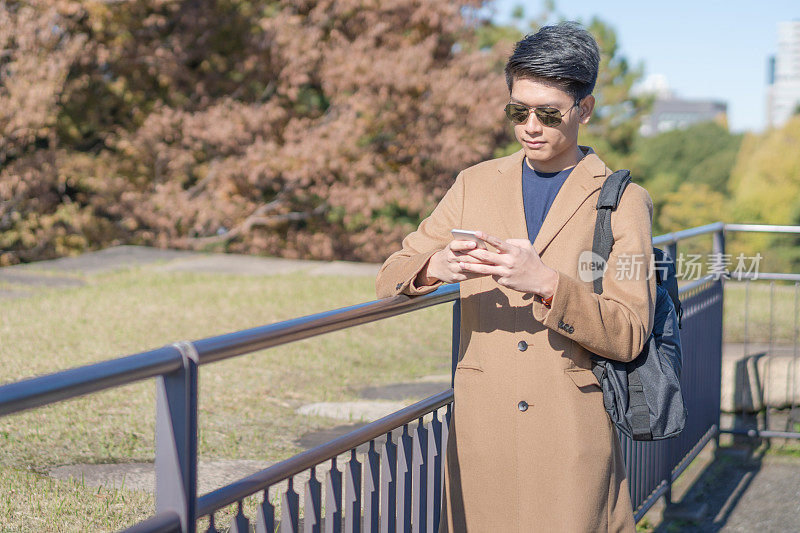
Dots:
(509, 197)
(580, 184)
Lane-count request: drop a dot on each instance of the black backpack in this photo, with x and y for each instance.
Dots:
(643, 397)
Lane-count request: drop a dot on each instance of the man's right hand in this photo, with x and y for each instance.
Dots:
(444, 264)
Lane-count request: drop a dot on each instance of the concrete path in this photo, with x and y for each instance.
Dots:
(18, 280)
(737, 490)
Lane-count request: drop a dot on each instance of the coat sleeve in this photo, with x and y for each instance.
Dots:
(399, 271)
(617, 323)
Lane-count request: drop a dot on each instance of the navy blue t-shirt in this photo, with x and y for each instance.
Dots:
(539, 189)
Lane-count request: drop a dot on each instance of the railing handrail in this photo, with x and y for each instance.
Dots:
(768, 228)
(63, 385)
(696, 284)
(675, 236)
(229, 345)
(42, 390)
(670, 238)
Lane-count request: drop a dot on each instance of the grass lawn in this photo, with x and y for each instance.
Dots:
(761, 296)
(247, 404)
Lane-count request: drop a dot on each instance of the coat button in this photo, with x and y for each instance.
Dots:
(523, 406)
(522, 346)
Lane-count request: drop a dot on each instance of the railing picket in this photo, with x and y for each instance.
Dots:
(212, 527)
(372, 489)
(434, 471)
(445, 439)
(312, 517)
(795, 368)
(352, 494)
(420, 477)
(405, 449)
(290, 509)
(265, 521)
(240, 523)
(333, 499)
(388, 508)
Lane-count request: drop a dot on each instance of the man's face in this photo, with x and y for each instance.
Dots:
(549, 148)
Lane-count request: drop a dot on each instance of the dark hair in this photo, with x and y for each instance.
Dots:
(564, 54)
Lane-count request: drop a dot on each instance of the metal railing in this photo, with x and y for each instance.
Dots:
(395, 484)
(762, 393)
(653, 466)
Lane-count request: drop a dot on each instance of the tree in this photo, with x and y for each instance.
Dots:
(700, 156)
(765, 189)
(322, 129)
(37, 216)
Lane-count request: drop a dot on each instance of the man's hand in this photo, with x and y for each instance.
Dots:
(445, 265)
(515, 265)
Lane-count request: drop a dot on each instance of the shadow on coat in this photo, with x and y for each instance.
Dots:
(505, 316)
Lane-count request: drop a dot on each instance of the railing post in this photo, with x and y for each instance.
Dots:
(672, 251)
(718, 250)
(668, 493)
(456, 339)
(718, 247)
(176, 439)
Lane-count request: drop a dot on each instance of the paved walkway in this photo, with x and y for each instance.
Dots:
(740, 489)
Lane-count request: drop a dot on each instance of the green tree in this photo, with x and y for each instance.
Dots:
(702, 156)
(614, 127)
(692, 204)
(702, 153)
(765, 189)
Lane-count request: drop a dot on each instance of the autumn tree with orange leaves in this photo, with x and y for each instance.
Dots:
(322, 129)
(318, 129)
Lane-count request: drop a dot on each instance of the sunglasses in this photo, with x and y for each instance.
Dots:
(548, 116)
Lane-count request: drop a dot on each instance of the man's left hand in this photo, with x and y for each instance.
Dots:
(515, 265)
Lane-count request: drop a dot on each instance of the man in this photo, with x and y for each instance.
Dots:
(531, 447)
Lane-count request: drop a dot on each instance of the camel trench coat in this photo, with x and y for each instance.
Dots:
(531, 447)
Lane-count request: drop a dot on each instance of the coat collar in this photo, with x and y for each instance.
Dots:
(581, 183)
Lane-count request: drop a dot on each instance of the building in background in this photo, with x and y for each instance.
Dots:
(783, 76)
(671, 113)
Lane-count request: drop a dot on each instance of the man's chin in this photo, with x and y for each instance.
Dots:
(540, 155)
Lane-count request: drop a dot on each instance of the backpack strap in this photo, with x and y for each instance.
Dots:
(640, 413)
(610, 194)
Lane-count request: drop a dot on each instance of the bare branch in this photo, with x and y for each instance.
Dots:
(256, 219)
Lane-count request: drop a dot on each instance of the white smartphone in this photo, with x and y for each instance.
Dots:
(468, 235)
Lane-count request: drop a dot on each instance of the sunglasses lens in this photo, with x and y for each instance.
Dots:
(516, 113)
(548, 116)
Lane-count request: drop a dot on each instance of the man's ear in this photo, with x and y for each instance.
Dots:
(587, 107)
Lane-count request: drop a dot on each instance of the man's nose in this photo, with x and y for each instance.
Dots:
(532, 125)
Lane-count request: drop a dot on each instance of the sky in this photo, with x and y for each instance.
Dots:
(709, 49)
